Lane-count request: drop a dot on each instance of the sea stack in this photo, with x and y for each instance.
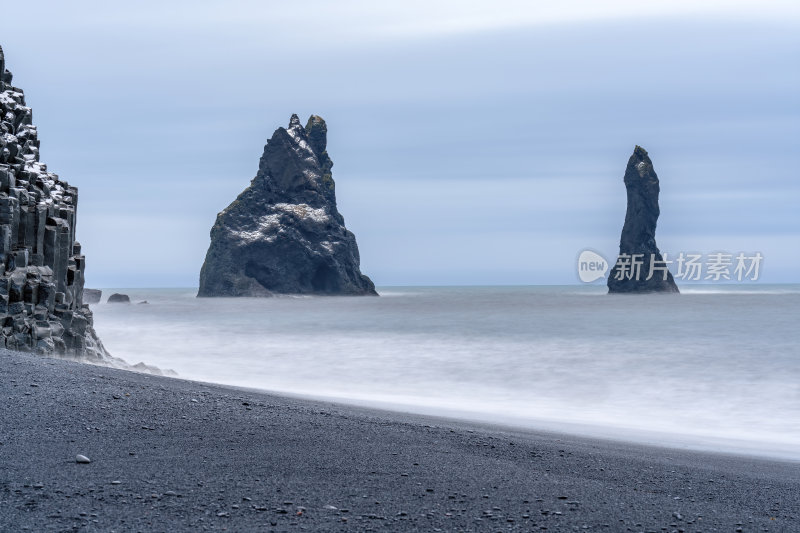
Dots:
(41, 265)
(283, 234)
(637, 245)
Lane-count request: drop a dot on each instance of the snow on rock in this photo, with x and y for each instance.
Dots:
(41, 264)
(284, 234)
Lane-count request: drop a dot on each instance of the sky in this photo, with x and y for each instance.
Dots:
(474, 143)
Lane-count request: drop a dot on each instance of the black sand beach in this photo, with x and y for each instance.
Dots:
(174, 455)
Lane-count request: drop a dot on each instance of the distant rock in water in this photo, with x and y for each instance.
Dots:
(283, 234)
(41, 265)
(118, 298)
(92, 296)
(637, 245)
(149, 369)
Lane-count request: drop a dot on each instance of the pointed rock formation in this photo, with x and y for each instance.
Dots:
(41, 266)
(283, 234)
(637, 245)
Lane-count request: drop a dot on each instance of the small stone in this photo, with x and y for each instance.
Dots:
(117, 298)
(82, 459)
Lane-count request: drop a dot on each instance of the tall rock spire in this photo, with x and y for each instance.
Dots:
(41, 264)
(284, 234)
(637, 246)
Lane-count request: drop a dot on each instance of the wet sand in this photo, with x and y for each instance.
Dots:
(174, 455)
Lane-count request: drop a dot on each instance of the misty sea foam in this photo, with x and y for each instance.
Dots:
(715, 368)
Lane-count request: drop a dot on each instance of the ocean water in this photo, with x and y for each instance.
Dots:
(712, 368)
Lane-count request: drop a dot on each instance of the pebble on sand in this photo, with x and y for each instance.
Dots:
(82, 459)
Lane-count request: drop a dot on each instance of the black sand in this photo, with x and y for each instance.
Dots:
(174, 455)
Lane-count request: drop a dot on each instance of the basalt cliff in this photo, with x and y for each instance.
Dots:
(637, 246)
(41, 264)
(284, 234)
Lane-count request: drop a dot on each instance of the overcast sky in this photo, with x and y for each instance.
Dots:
(473, 142)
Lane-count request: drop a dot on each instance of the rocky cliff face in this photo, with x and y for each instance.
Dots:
(637, 245)
(41, 265)
(283, 234)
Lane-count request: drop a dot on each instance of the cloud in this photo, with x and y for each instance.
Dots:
(467, 147)
(347, 21)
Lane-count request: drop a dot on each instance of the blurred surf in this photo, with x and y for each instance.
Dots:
(715, 367)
